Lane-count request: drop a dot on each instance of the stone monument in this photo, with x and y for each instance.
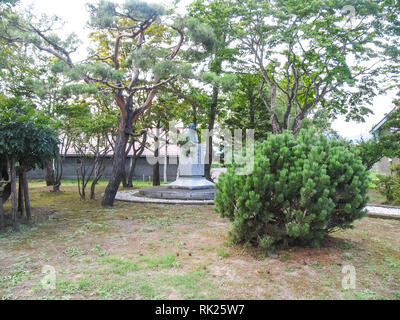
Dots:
(191, 164)
(191, 183)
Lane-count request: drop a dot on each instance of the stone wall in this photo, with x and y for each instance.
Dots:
(143, 168)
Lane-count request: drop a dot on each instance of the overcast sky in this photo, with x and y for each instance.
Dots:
(73, 12)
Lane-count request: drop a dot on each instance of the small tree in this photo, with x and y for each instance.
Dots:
(301, 189)
(87, 129)
(92, 152)
(25, 141)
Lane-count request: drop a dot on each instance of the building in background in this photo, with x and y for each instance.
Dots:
(383, 166)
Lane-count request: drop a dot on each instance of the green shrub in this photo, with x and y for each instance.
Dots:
(389, 185)
(301, 189)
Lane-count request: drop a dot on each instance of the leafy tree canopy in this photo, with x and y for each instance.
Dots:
(26, 134)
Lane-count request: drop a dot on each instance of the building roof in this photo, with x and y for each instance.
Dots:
(383, 121)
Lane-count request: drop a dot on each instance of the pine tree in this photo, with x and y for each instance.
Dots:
(302, 188)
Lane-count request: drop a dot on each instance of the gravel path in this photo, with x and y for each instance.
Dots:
(133, 196)
(377, 211)
(383, 211)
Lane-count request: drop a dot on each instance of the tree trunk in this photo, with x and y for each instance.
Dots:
(125, 182)
(124, 178)
(49, 177)
(118, 166)
(252, 112)
(136, 154)
(298, 122)
(6, 192)
(131, 172)
(58, 174)
(14, 195)
(211, 124)
(93, 189)
(165, 163)
(83, 176)
(26, 195)
(126, 121)
(276, 127)
(194, 107)
(2, 222)
(20, 193)
(156, 174)
(156, 166)
(273, 118)
(56, 187)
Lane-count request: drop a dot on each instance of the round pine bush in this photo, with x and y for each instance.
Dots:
(301, 189)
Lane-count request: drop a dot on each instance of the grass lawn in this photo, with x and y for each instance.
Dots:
(142, 251)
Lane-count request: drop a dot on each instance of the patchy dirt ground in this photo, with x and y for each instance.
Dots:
(142, 251)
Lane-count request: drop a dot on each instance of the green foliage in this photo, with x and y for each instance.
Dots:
(299, 47)
(301, 189)
(201, 33)
(389, 185)
(26, 134)
(247, 110)
(107, 14)
(210, 50)
(390, 137)
(386, 143)
(370, 152)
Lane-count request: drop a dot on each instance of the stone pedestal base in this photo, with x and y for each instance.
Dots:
(191, 183)
(174, 194)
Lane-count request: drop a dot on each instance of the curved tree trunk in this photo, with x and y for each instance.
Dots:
(118, 167)
(127, 118)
